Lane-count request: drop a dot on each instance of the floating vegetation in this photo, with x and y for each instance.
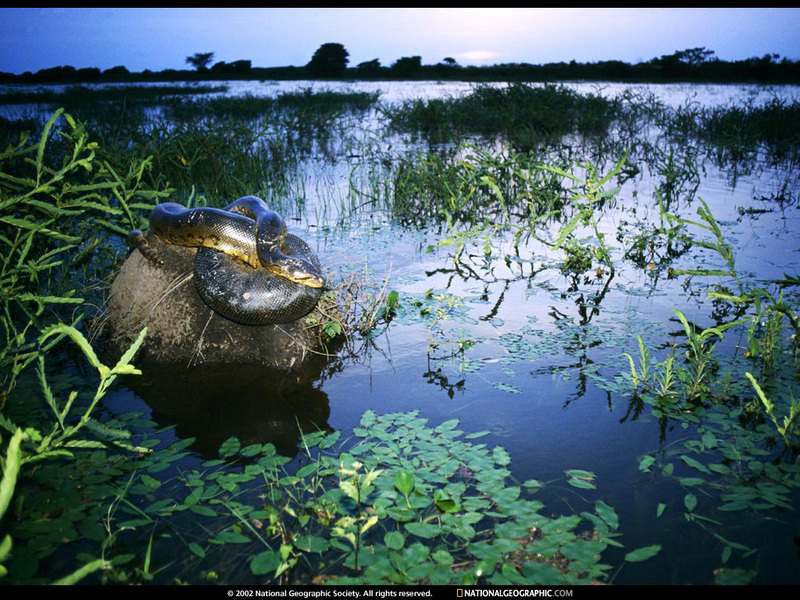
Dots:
(403, 503)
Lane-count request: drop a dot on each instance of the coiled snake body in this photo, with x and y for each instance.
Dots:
(247, 268)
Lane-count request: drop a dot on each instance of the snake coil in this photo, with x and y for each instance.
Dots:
(247, 268)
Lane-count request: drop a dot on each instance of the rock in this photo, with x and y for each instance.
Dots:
(182, 330)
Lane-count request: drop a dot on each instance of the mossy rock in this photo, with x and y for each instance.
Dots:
(182, 330)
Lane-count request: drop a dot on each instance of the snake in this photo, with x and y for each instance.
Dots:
(248, 268)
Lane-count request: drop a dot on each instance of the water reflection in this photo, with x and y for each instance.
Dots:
(257, 406)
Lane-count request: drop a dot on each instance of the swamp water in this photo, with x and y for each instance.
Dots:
(512, 345)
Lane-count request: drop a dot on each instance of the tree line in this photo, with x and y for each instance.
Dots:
(331, 61)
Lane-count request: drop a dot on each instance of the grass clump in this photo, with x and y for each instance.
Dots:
(526, 116)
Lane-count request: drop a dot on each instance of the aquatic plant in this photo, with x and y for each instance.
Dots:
(739, 130)
(403, 502)
(526, 116)
(59, 209)
(69, 423)
(77, 96)
(718, 244)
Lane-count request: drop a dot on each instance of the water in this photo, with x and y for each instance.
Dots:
(534, 333)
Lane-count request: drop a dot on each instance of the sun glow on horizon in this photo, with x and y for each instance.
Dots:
(477, 56)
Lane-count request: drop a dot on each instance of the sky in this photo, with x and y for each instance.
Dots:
(162, 38)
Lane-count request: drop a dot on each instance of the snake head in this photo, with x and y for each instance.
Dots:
(299, 271)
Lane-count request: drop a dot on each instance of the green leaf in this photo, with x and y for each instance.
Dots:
(607, 513)
(230, 446)
(507, 388)
(85, 570)
(581, 479)
(307, 470)
(424, 530)
(695, 464)
(500, 456)
(232, 537)
(690, 502)
(404, 482)
(691, 481)
(204, 511)
(709, 440)
(646, 462)
(311, 543)
(10, 470)
(265, 562)
(444, 501)
(394, 540)
(447, 426)
(642, 553)
(77, 337)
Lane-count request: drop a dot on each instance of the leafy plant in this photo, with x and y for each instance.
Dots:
(57, 206)
(31, 445)
(789, 426)
(719, 244)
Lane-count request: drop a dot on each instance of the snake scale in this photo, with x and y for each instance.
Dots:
(248, 268)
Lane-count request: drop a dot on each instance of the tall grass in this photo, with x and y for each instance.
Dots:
(525, 115)
(59, 208)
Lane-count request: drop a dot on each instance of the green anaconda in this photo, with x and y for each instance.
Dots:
(247, 268)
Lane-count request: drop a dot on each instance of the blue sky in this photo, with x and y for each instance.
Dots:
(157, 39)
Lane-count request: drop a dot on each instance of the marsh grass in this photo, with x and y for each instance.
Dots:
(470, 186)
(309, 108)
(740, 134)
(525, 115)
(224, 147)
(76, 96)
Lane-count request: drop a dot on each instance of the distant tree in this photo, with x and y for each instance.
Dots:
(690, 56)
(330, 60)
(64, 73)
(370, 68)
(200, 60)
(87, 74)
(242, 65)
(450, 61)
(118, 70)
(238, 67)
(695, 56)
(407, 66)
